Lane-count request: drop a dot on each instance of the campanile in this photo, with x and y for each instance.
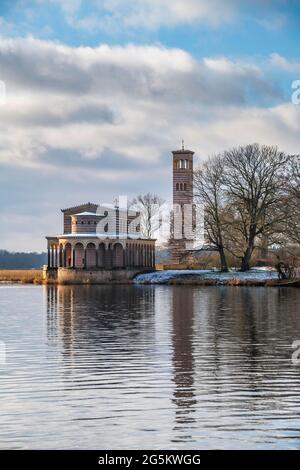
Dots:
(183, 167)
(183, 176)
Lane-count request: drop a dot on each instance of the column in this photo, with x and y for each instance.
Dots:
(49, 258)
(56, 257)
(108, 257)
(60, 256)
(136, 254)
(124, 256)
(52, 256)
(130, 255)
(143, 254)
(73, 257)
(84, 262)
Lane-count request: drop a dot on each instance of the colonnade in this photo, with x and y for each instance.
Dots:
(111, 255)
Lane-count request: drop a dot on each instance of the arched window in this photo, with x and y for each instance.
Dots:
(181, 186)
(184, 186)
(68, 255)
(91, 256)
(177, 186)
(101, 256)
(118, 256)
(79, 255)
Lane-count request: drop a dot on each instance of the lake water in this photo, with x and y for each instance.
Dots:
(116, 367)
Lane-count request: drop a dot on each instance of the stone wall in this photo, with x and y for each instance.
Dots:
(95, 276)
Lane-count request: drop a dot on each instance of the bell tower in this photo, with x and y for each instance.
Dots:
(183, 167)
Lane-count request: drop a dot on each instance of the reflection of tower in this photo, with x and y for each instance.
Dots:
(183, 218)
(183, 358)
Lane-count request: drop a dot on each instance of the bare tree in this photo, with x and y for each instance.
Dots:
(148, 205)
(210, 191)
(292, 202)
(254, 177)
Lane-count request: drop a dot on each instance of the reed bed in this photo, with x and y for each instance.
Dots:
(26, 276)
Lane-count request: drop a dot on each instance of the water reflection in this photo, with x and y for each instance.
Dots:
(149, 367)
(183, 361)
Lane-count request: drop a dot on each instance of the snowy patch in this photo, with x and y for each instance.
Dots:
(163, 277)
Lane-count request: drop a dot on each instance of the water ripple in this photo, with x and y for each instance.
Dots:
(149, 367)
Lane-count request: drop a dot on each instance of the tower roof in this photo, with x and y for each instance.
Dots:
(183, 152)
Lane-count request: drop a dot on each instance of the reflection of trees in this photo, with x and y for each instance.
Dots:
(231, 353)
(245, 334)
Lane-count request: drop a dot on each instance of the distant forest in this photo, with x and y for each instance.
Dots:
(22, 260)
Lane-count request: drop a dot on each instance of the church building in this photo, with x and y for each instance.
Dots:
(105, 243)
(98, 244)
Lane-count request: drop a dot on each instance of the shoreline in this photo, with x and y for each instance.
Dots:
(35, 276)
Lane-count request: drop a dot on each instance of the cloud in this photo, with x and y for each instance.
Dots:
(277, 125)
(117, 98)
(113, 16)
(91, 123)
(81, 20)
(277, 61)
(147, 14)
(273, 22)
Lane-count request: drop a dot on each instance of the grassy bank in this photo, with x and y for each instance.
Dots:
(214, 282)
(26, 276)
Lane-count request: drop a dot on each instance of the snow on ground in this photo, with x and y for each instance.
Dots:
(163, 277)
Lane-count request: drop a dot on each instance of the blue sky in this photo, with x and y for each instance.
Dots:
(251, 29)
(99, 92)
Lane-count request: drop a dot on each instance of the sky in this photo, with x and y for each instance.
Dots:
(94, 96)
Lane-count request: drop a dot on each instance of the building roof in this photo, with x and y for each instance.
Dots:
(89, 204)
(89, 207)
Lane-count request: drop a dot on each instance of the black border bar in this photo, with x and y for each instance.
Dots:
(142, 458)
